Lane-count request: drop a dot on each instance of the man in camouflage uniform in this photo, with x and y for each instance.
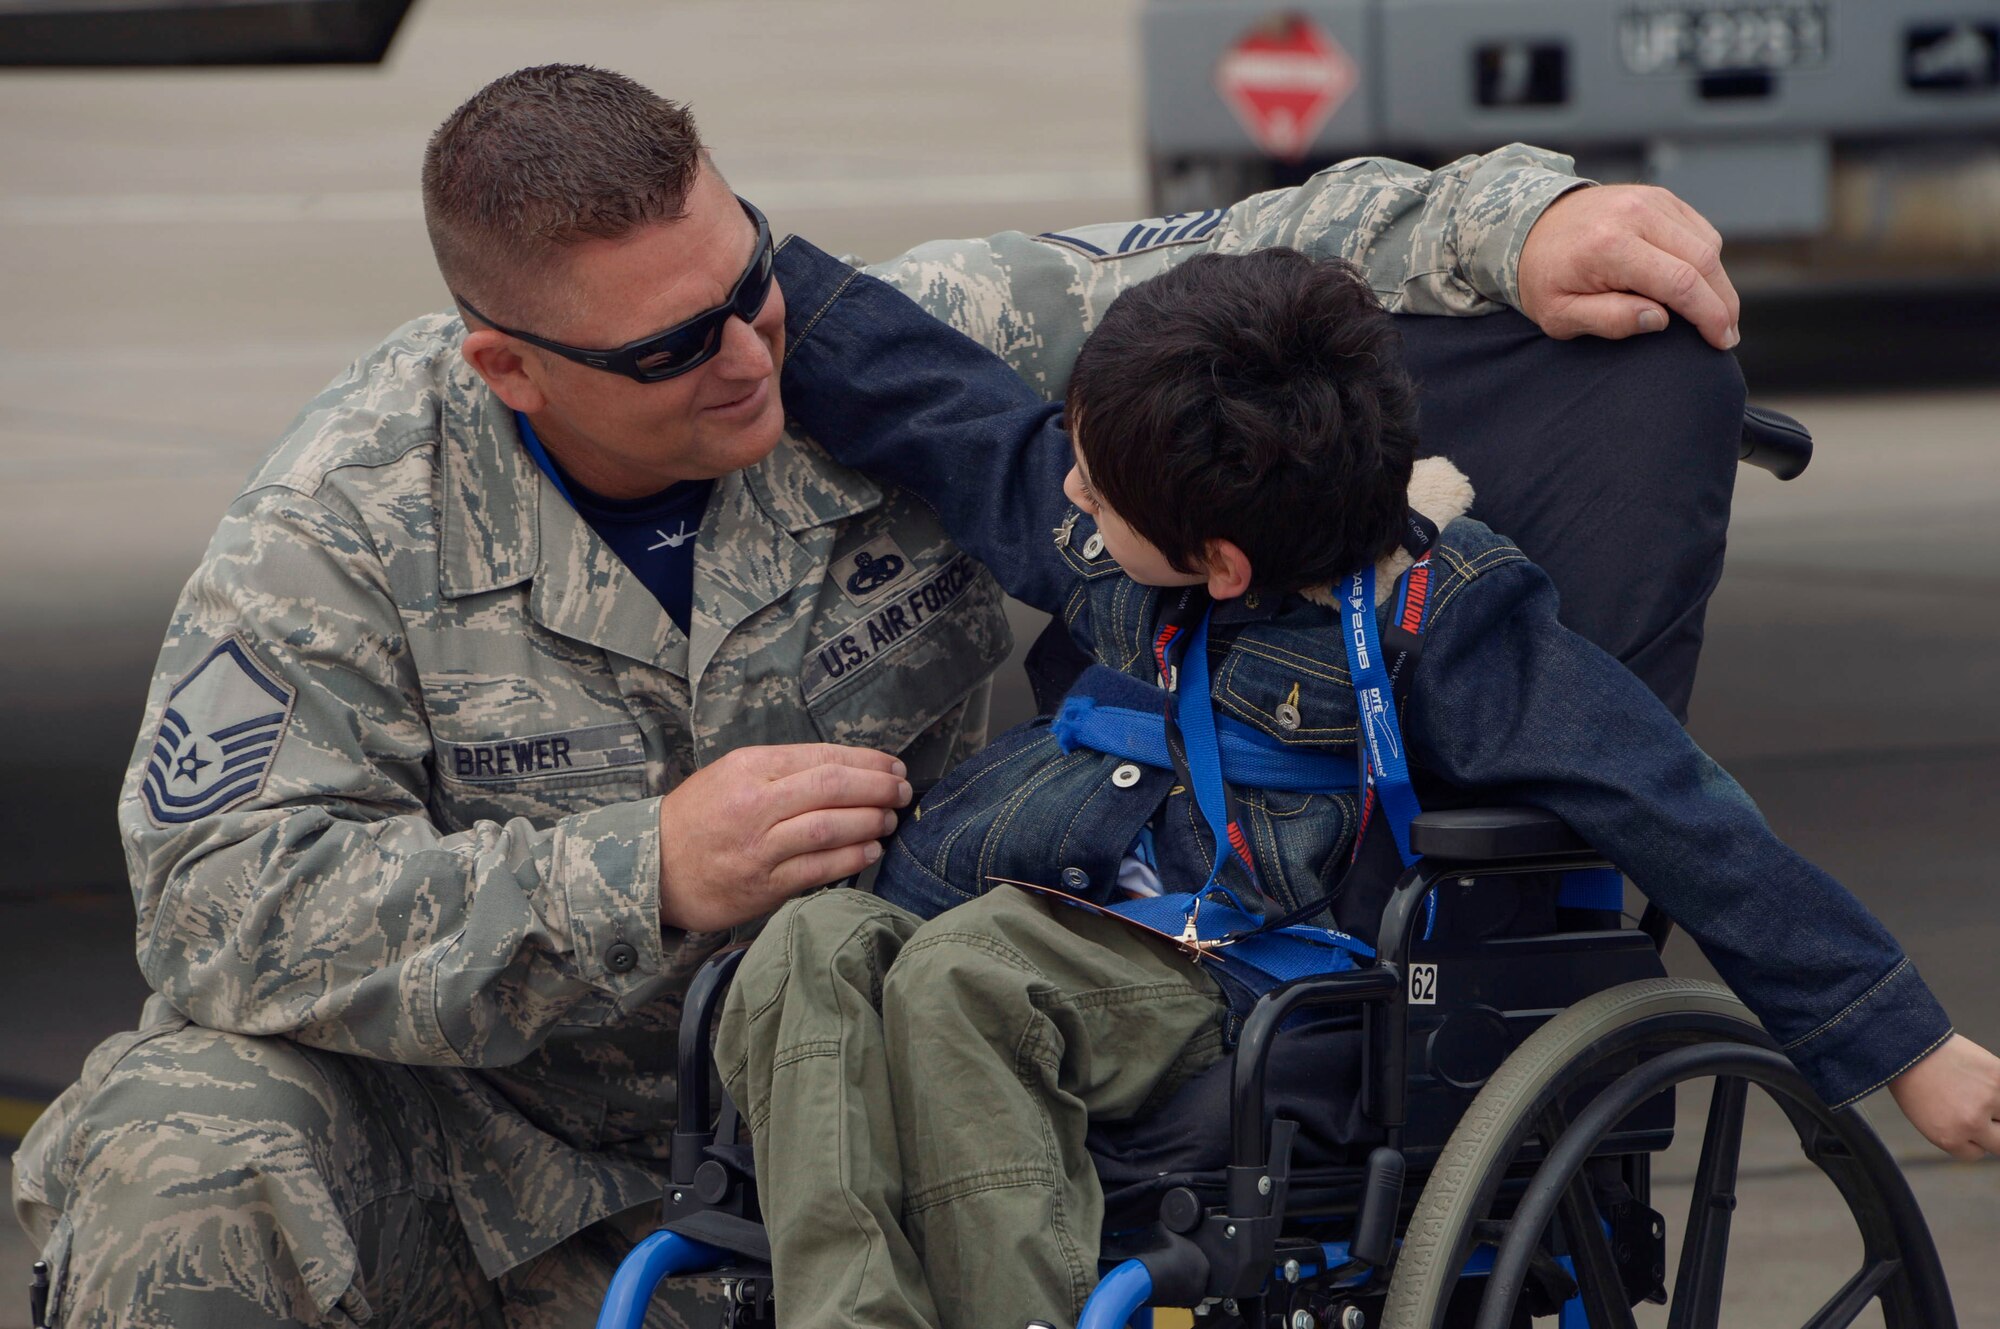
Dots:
(436, 807)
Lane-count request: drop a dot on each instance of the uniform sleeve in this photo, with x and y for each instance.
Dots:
(892, 392)
(1514, 706)
(1430, 242)
(289, 878)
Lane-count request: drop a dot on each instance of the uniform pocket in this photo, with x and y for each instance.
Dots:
(882, 680)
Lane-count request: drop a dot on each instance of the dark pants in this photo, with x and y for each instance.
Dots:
(1610, 463)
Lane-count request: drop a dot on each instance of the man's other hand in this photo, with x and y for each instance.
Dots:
(740, 837)
(1612, 259)
(1952, 1096)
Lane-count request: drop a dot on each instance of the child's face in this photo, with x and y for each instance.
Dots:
(1141, 559)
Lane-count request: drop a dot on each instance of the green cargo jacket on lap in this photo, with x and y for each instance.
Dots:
(397, 791)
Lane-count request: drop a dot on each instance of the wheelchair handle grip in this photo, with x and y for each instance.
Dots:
(1775, 442)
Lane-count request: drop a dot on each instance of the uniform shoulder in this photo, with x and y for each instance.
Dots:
(386, 403)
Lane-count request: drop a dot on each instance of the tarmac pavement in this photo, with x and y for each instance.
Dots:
(186, 257)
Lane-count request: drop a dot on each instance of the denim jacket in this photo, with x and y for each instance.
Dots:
(1506, 704)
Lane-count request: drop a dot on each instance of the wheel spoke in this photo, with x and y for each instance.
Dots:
(1697, 1302)
(1853, 1298)
(1602, 1290)
(1605, 1305)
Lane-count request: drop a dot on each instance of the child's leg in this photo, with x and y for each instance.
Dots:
(1011, 1022)
(800, 1048)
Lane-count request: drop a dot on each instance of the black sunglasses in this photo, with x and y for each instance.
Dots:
(682, 347)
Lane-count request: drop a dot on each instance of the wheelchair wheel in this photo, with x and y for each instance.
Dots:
(1637, 1041)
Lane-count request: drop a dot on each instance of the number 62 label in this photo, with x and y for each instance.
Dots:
(1423, 984)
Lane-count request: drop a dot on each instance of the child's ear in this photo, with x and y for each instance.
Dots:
(1228, 569)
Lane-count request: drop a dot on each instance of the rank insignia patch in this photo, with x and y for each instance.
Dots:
(1116, 239)
(221, 728)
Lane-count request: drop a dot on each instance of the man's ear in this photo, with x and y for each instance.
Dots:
(1228, 569)
(496, 357)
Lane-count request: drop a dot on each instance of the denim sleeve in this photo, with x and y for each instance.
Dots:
(892, 392)
(1511, 704)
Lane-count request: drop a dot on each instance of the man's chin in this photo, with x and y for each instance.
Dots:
(748, 443)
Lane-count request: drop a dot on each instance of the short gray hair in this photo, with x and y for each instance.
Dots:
(539, 159)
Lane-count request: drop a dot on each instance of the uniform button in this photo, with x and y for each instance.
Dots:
(1093, 546)
(1075, 878)
(1288, 716)
(1125, 776)
(621, 957)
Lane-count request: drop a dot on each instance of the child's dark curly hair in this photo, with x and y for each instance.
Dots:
(1258, 398)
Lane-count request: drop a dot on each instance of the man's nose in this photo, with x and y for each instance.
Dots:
(744, 354)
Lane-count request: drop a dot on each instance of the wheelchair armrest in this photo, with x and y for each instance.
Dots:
(1776, 442)
(1485, 835)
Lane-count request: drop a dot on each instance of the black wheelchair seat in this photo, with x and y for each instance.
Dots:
(1503, 962)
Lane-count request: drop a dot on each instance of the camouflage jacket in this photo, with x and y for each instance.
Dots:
(397, 790)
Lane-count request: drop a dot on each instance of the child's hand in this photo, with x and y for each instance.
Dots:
(1953, 1097)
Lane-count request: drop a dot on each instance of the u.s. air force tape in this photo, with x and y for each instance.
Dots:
(535, 756)
(913, 607)
(216, 738)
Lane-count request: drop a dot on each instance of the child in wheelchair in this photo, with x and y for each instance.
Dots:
(1295, 635)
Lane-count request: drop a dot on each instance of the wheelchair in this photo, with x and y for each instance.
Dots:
(1516, 1091)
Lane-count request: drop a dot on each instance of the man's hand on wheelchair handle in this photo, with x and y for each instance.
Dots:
(1952, 1097)
(1609, 260)
(741, 836)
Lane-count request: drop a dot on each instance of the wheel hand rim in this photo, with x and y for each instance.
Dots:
(1771, 1071)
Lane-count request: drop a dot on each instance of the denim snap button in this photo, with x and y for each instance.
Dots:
(1288, 716)
(1075, 878)
(1093, 546)
(621, 957)
(1125, 776)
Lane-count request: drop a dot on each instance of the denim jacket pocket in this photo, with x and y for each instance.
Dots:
(1022, 810)
(1287, 694)
(1301, 841)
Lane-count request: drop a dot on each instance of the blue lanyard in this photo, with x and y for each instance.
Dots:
(1385, 766)
(1381, 758)
(1194, 712)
